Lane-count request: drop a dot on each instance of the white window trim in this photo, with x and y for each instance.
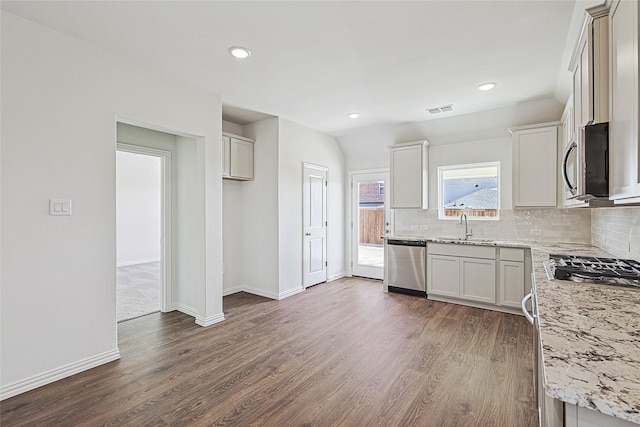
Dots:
(442, 169)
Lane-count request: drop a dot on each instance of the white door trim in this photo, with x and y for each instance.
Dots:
(305, 254)
(165, 217)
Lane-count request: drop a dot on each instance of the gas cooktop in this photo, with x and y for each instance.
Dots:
(608, 271)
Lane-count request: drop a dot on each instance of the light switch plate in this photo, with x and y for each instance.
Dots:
(60, 207)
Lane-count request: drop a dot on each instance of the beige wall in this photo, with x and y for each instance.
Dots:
(61, 99)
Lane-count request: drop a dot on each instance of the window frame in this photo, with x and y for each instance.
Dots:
(443, 169)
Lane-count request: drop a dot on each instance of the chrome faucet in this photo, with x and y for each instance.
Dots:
(467, 233)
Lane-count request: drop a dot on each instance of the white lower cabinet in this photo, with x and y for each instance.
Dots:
(443, 275)
(577, 416)
(512, 285)
(471, 276)
(478, 279)
(466, 274)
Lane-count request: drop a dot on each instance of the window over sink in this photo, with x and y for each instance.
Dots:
(472, 189)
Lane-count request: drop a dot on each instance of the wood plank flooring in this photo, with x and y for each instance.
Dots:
(340, 354)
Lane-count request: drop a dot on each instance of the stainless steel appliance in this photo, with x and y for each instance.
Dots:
(406, 266)
(606, 271)
(585, 168)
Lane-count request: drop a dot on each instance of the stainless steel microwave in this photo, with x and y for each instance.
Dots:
(585, 168)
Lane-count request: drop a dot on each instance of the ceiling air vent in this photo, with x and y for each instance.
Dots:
(442, 109)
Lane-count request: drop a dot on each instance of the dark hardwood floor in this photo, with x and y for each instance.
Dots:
(340, 354)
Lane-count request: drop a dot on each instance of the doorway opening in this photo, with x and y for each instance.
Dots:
(371, 223)
(141, 223)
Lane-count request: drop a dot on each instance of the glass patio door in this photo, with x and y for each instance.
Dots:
(370, 219)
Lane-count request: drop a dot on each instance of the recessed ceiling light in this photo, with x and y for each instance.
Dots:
(239, 52)
(353, 115)
(486, 86)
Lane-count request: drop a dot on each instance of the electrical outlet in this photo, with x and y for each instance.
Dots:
(59, 207)
(424, 227)
(414, 227)
(535, 231)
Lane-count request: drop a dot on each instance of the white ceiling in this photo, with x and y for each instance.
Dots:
(314, 62)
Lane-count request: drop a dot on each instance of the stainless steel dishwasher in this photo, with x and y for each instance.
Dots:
(406, 264)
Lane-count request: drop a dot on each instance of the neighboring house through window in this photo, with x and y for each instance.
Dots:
(473, 189)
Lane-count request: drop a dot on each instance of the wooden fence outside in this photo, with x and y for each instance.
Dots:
(371, 225)
(455, 212)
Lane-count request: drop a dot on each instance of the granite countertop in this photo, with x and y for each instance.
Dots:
(471, 241)
(590, 334)
(590, 338)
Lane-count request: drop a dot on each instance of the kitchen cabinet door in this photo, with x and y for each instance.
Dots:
(409, 175)
(590, 68)
(241, 159)
(535, 154)
(237, 157)
(443, 275)
(577, 416)
(624, 171)
(478, 279)
(226, 156)
(512, 284)
(550, 410)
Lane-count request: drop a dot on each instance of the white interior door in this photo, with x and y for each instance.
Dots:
(314, 225)
(370, 223)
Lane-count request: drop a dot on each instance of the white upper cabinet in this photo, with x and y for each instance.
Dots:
(409, 175)
(237, 157)
(590, 68)
(535, 160)
(226, 156)
(624, 152)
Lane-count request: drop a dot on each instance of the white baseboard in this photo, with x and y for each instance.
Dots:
(234, 290)
(189, 311)
(208, 321)
(259, 292)
(202, 321)
(290, 292)
(262, 292)
(136, 262)
(337, 276)
(57, 374)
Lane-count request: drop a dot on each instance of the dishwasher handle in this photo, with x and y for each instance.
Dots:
(396, 242)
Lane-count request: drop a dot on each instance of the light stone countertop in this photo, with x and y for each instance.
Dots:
(590, 338)
(590, 334)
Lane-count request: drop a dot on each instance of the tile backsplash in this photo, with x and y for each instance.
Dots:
(541, 225)
(617, 230)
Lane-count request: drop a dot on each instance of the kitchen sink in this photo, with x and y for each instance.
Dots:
(470, 240)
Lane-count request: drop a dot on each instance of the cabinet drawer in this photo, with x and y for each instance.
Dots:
(462, 250)
(511, 254)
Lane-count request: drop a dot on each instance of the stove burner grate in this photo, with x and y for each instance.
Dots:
(624, 272)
